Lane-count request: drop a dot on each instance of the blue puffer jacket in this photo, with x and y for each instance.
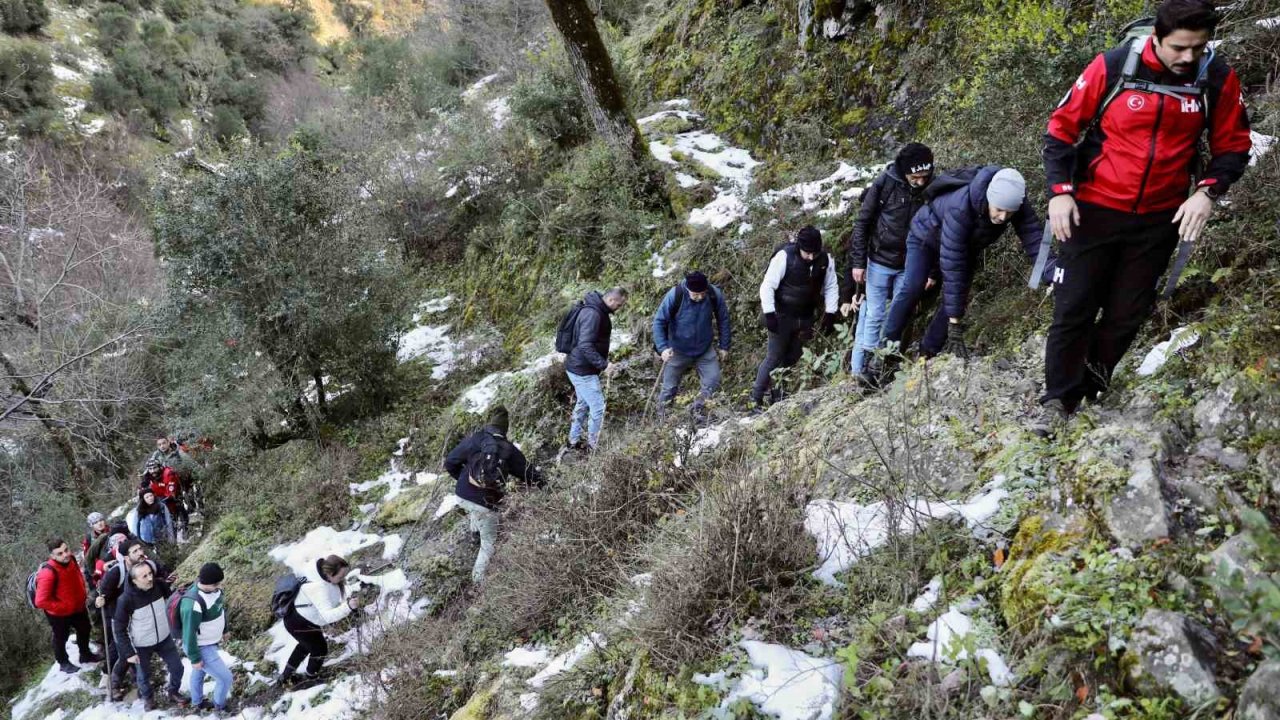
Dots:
(690, 333)
(956, 226)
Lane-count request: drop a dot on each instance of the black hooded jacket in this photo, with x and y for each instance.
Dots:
(590, 353)
(514, 465)
(880, 232)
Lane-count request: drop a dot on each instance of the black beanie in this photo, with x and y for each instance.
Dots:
(914, 158)
(696, 282)
(809, 239)
(210, 574)
(498, 418)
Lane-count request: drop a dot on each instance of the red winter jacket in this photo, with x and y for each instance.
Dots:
(66, 595)
(1139, 157)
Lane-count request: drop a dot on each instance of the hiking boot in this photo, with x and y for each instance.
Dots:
(1049, 418)
(224, 711)
(69, 668)
(91, 658)
(148, 704)
(179, 699)
(307, 680)
(775, 396)
(118, 694)
(205, 705)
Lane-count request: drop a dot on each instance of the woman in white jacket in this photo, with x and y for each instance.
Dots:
(319, 603)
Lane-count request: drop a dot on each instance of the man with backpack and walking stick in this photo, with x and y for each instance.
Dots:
(481, 465)
(684, 331)
(1119, 157)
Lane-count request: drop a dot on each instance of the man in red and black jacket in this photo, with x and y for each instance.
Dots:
(1119, 196)
(61, 594)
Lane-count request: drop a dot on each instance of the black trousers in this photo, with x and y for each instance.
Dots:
(311, 643)
(62, 627)
(784, 350)
(1104, 290)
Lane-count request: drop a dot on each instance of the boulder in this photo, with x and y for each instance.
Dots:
(1228, 457)
(1268, 462)
(1137, 515)
(410, 505)
(1171, 653)
(1260, 699)
(1218, 414)
(1236, 555)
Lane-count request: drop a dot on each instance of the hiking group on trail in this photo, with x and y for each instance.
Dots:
(1125, 191)
(1121, 156)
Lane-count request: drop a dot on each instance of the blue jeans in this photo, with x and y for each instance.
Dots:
(708, 367)
(590, 401)
(922, 260)
(881, 281)
(214, 666)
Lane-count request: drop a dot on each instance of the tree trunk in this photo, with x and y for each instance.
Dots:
(58, 434)
(593, 69)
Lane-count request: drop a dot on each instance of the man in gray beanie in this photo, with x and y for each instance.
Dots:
(967, 211)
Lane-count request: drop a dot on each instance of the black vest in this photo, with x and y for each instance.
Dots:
(800, 291)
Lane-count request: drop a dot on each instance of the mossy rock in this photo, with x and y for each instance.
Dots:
(70, 703)
(241, 549)
(477, 708)
(1035, 558)
(409, 505)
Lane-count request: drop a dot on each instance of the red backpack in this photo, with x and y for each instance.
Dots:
(173, 606)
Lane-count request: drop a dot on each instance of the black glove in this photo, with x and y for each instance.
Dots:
(828, 322)
(771, 322)
(955, 341)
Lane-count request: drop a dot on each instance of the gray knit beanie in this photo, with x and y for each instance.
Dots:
(1007, 190)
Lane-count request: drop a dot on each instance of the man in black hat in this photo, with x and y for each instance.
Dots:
(481, 465)
(801, 279)
(878, 244)
(684, 329)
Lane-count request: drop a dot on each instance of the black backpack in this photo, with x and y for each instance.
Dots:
(485, 467)
(567, 333)
(286, 594)
(31, 583)
(949, 181)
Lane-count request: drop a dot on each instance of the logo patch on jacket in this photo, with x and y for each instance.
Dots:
(1190, 105)
(1136, 102)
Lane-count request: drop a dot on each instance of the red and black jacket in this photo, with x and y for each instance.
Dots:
(1139, 157)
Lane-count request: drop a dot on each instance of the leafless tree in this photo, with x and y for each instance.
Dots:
(77, 279)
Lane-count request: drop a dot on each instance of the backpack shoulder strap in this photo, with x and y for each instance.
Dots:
(677, 302)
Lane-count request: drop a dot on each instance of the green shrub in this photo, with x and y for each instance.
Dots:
(549, 103)
(420, 81)
(23, 16)
(25, 76)
(227, 125)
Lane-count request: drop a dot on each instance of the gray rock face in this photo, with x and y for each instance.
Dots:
(1218, 413)
(1137, 515)
(1173, 654)
(1228, 457)
(1260, 699)
(1268, 462)
(1235, 555)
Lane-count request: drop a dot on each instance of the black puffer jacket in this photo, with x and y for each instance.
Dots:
(513, 464)
(880, 232)
(590, 353)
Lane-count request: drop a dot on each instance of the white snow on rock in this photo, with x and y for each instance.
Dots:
(526, 657)
(447, 505)
(787, 684)
(499, 111)
(945, 644)
(478, 397)
(64, 73)
(472, 92)
(659, 262)
(566, 662)
(301, 556)
(1260, 143)
(438, 305)
(1179, 340)
(664, 114)
(846, 531)
(928, 596)
(432, 342)
(820, 193)
(395, 482)
(704, 439)
(1270, 23)
(330, 393)
(725, 210)
(54, 683)
(685, 180)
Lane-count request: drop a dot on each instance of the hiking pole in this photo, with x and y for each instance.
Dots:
(106, 649)
(1184, 254)
(652, 393)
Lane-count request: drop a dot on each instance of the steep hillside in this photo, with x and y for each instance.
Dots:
(356, 298)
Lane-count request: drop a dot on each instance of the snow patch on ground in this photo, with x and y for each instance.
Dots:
(704, 439)
(928, 596)
(447, 505)
(431, 307)
(478, 397)
(301, 556)
(785, 683)
(472, 92)
(1270, 23)
(566, 662)
(820, 193)
(1261, 143)
(432, 342)
(330, 393)
(945, 644)
(710, 154)
(1179, 340)
(527, 657)
(725, 210)
(664, 114)
(54, 683)
(846, 531)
